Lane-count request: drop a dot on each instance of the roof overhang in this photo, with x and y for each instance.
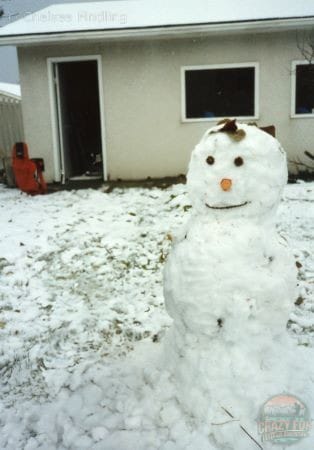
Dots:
(170, 31)
(10, 96)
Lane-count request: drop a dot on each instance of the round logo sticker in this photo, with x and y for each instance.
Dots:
(284, 420)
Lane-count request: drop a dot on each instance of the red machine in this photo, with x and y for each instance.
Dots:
(28, 172)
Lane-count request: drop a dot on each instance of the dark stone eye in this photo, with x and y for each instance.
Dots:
(238, 161)
(210, 160)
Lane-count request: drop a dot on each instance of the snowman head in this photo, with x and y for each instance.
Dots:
(236, 170)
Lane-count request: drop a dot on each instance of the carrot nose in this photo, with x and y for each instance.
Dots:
(226, 184)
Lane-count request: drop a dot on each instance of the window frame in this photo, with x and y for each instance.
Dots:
(293, 114)
(248, 65)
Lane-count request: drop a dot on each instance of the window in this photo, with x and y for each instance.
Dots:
(211, 92)
(302, 89)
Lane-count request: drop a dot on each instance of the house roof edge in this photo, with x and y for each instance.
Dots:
(264, 25)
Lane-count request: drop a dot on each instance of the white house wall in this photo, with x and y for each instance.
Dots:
(145, 135)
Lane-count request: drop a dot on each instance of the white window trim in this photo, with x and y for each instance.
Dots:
(220, 66)
(53, 109)
(293, 114)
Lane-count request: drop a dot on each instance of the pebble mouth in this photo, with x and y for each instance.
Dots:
(227, 207)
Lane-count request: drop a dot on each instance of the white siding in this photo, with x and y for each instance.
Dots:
(11, 126)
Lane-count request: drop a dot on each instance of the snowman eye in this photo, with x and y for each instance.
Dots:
(238, 161)
(210, 160)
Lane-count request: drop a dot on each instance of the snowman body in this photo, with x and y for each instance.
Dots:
(229, 278)
(230, 264)
(229, 283)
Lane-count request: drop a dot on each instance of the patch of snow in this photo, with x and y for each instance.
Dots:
(10, 89)
(82, 318)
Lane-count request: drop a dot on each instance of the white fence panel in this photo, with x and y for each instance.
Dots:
(11, 125)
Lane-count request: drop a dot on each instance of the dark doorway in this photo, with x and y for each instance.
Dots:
(79, 119)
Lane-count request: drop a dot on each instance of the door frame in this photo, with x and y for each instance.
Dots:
(57, 150)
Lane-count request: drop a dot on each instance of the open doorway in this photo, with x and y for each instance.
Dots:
(78, 119)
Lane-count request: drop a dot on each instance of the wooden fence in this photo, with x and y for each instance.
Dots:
(11, 124)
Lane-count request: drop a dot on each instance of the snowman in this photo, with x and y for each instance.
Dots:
(229, 283)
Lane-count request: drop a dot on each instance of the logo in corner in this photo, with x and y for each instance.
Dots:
(284, 420)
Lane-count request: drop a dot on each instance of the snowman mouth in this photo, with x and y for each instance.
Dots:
(228, 206)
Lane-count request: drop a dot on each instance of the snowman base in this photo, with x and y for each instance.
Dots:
(224, 386)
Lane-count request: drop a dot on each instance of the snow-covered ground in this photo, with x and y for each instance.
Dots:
(82, 316)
